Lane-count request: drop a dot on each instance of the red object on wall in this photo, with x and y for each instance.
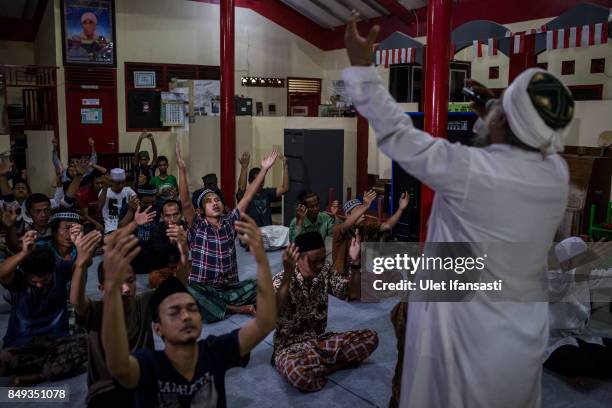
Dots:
(363, 129)
(437, 71)
(494, 72)
(522, 61)
(228, 118)
(87, 90)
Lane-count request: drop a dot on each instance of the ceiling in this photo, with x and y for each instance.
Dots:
(19, 19)
(334, 13)
(18, 9)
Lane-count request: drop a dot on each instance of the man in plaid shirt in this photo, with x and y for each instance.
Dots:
(213, 280)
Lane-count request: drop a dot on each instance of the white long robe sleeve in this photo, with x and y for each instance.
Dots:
(479, 353)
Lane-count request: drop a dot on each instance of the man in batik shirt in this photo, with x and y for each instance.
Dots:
(303, 352)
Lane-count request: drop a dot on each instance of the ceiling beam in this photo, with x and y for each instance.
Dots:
(38, 15)
(395, 8)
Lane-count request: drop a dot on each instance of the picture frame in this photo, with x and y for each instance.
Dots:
(144, 79)
(88, 32)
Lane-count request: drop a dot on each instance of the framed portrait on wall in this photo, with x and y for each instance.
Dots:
(88, 32)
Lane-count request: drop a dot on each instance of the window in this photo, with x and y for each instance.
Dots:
(460, 71)
(406, 82)
(568, 67)
(303, 96)
(144, 104)
(587, 92)
(493, 72)
(598, 65)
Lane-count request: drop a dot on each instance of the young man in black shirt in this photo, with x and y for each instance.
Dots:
(187, 372)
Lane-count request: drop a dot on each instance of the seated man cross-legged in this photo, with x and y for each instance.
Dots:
(213, 280)
(304, 353)
(38, 346)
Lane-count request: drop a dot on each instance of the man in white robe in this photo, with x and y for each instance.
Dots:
(478, 353)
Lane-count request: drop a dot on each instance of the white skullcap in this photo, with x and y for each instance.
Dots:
(569, 248)
(525, 121)
(89, 16)
(117, 174)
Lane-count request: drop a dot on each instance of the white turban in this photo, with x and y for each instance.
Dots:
(569, 248)
(89, 16)
(525, 121)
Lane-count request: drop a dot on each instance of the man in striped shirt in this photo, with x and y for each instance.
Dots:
(213, 280)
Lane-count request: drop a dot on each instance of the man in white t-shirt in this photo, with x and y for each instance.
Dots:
(112, 199)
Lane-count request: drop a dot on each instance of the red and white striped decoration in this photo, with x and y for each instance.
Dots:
(492, 46)
(531, 31)
(476, 49)
(518, 43)
(395, 56)
(573, 37)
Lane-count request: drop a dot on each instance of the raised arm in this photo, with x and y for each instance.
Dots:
(132, 206)
(354, 284)
(138, 143)
(153, 147)
(436, 162)
(86, 246)
(9, 218)
(121, 249)
(9, 265)
(242, 179)
(177, 234)
(102, 197)
(265, 320)
(5, 189)
(349, 221)
(290, 257)
(254, 187)
(188, 210)
(285, 187)
(402, 205)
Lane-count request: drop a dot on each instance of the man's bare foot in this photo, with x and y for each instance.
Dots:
(245, 309)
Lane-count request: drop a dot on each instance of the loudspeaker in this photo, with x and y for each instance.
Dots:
(315, 158)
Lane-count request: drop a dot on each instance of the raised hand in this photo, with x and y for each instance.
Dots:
(176, 234)
(369, 197)
(300, 212)
(5, 166)
(28, 242)
(82, 165)
(91, 142)
(133, 203)
(119, 252)
(269, 159)
(249, 234)
(179, 158)
(355, 249)
(290, 257)
(146, 216)
(404, 200)
(86, 246)
(244, 159)
(75, 231)
(335, 206)
(358, 48)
